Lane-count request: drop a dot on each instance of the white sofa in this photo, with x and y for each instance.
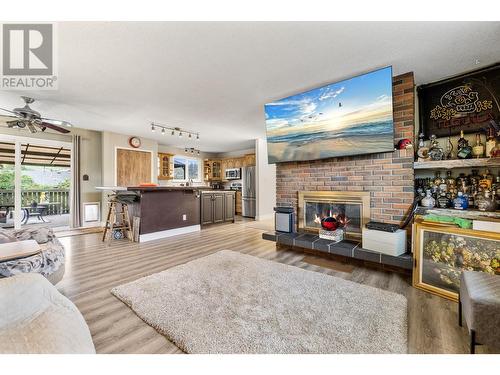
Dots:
(36, 318)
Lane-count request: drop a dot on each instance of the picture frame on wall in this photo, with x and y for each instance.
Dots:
(441, 252)
(468, 102)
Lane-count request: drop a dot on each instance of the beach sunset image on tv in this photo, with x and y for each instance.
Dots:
(350, 117)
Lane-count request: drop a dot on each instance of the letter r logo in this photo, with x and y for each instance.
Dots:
(27, 49)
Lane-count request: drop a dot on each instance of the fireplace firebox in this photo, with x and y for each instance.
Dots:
(351, 209)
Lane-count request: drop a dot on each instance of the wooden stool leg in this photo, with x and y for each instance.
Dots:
(107, 222)
(472, 341)
(112, 223)
(128, 226)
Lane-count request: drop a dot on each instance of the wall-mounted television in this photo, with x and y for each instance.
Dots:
(349, 117)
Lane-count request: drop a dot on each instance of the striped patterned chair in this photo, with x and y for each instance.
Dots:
(479, 304)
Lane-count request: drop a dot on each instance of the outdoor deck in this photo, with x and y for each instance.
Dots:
(52, 221)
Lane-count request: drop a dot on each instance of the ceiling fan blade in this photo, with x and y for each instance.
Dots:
(57, 122)
(8, 110)
(47, 125)
(7, 118)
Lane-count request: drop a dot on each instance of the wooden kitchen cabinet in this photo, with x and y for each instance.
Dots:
(165, 166)
(212, 170)
(229, 207)
(249, 160)
(238, 207)
(217, 207)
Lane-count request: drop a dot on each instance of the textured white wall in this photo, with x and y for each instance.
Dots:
(266, 181)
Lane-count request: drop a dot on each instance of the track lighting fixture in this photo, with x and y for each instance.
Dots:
(191, 150)
(175, 130)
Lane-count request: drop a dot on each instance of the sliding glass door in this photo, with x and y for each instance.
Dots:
(35, 183)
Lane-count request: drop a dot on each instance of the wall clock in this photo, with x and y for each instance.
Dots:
(134, 142)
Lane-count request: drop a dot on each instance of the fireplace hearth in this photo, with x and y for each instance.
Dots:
(351, 210)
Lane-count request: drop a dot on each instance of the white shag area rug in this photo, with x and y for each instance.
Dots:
(230, 302)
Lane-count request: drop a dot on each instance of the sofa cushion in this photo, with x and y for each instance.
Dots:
(6, 236)
(47, 262)
(36, 318)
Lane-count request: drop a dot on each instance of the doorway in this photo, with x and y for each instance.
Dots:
(35, 183)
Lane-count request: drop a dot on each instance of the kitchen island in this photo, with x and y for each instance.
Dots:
(166, 211)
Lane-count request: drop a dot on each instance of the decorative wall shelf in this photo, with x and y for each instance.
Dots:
(459, 163)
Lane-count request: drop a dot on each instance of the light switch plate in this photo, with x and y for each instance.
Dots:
(184, 217)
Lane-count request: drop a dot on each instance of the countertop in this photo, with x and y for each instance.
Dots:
(174, 188)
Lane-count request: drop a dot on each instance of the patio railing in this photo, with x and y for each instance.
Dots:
(58, 199)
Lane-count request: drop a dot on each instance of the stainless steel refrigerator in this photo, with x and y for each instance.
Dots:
(248, 199)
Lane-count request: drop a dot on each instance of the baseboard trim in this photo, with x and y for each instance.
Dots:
(168, 233)
(264, 217)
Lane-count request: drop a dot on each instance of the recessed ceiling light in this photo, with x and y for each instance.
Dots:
(477, 62)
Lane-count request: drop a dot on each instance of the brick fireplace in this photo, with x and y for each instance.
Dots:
(387, 177)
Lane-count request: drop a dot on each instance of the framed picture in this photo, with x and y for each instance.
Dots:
(442, 252)
(467, 102)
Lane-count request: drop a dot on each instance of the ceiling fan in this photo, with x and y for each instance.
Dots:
(25, 117)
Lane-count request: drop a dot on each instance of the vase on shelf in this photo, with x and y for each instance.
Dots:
(486, 201)
(478, 149)
(435, 151)
(461, 202)
(491, 143)
(428, 201)
(464, 150)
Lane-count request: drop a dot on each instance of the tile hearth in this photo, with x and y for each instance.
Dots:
(350, 249)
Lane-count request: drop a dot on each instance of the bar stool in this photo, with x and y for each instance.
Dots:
(123, 223)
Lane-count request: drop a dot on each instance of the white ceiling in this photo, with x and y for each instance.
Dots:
(214, 78)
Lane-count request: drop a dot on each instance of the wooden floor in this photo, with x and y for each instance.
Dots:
(92, 269)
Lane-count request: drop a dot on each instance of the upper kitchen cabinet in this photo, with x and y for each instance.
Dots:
(165, 166)
(215, 170)
(249, 160)
(212, 170)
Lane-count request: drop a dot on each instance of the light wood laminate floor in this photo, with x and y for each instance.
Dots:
(92, 269)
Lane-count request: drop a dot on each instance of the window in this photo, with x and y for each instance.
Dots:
(186, 169)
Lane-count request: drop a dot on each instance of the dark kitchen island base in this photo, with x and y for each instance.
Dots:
(166, 211)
